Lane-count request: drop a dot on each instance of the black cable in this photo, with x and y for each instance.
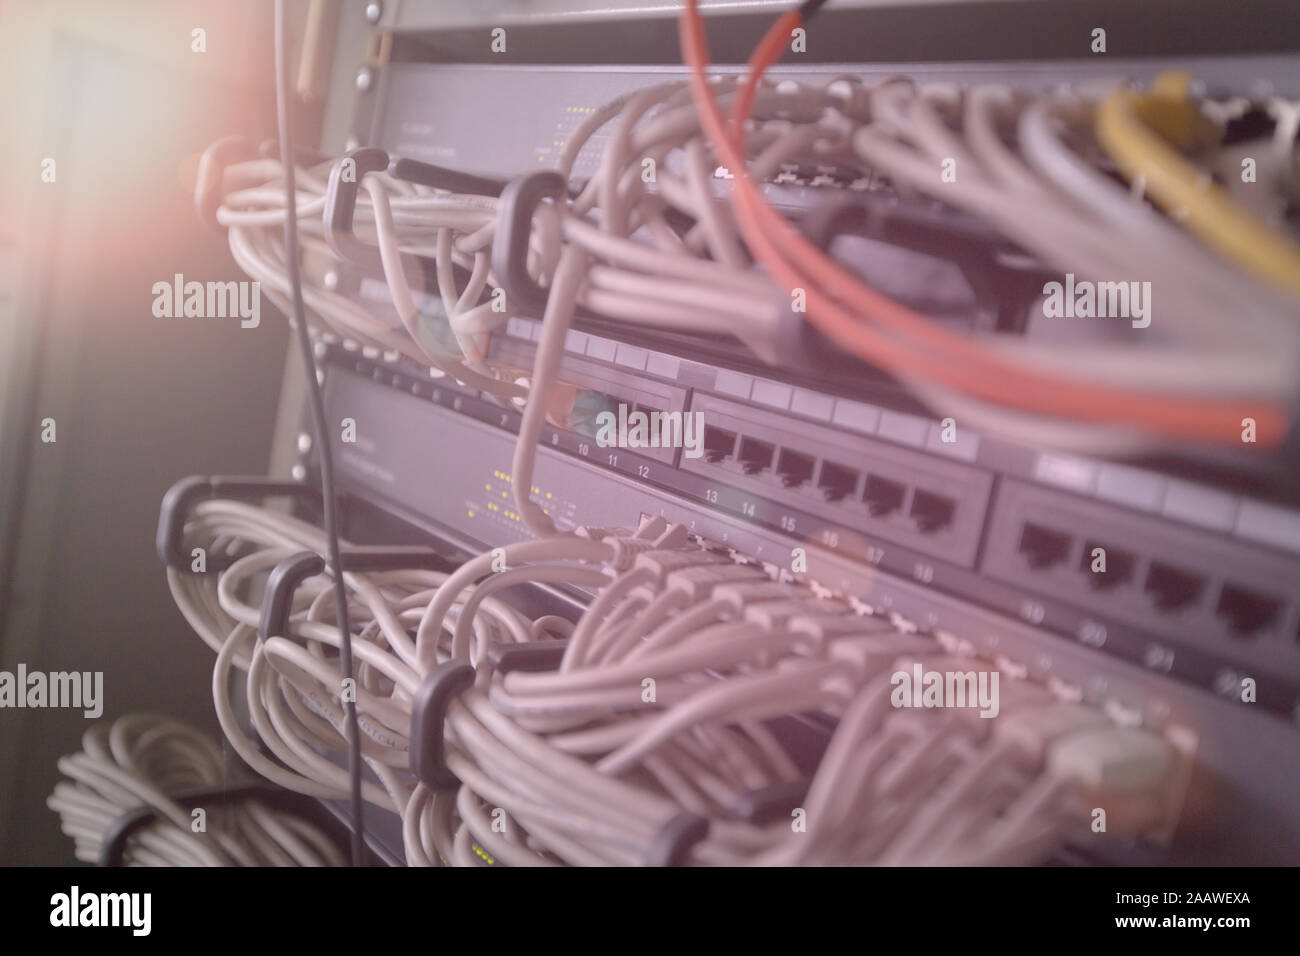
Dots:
(317, 404)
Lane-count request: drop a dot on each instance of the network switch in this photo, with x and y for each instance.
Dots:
(741, 437)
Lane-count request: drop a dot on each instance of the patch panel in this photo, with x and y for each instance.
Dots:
(1191, 587)
(868, 486)
(763, 530)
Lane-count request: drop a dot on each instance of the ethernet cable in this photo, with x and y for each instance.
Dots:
(517, 683)
(599, 276)
(524, 679)
(575, 756)
(673, 125)
(1043, 222)
(585, 771)
(141, 760)
(1042, 127)
(1124, 122)
(1185, 417)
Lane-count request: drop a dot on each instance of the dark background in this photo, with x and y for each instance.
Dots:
(114, 93)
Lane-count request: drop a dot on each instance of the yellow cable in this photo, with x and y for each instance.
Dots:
(1177, 184)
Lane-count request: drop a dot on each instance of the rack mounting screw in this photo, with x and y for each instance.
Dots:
(363, 79)
(374, 11)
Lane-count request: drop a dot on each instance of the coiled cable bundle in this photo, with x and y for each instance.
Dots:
(693, 687)
(142, 761)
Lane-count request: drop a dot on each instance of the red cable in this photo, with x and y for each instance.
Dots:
(961, 364)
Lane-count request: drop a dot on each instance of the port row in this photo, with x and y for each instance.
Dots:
(1169, 587)
(883, 497)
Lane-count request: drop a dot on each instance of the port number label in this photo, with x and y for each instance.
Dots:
(923, 572)
(1092, 633)
(747, 509)
(787, 523)
(1158, 657)
(1032, 611)
(711, 496)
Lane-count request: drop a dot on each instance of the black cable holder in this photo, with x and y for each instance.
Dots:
(184, 494)
(285, 577)
(428, 722)
(341, 205)
(533, 658)
(519, 201)
(440, 177)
